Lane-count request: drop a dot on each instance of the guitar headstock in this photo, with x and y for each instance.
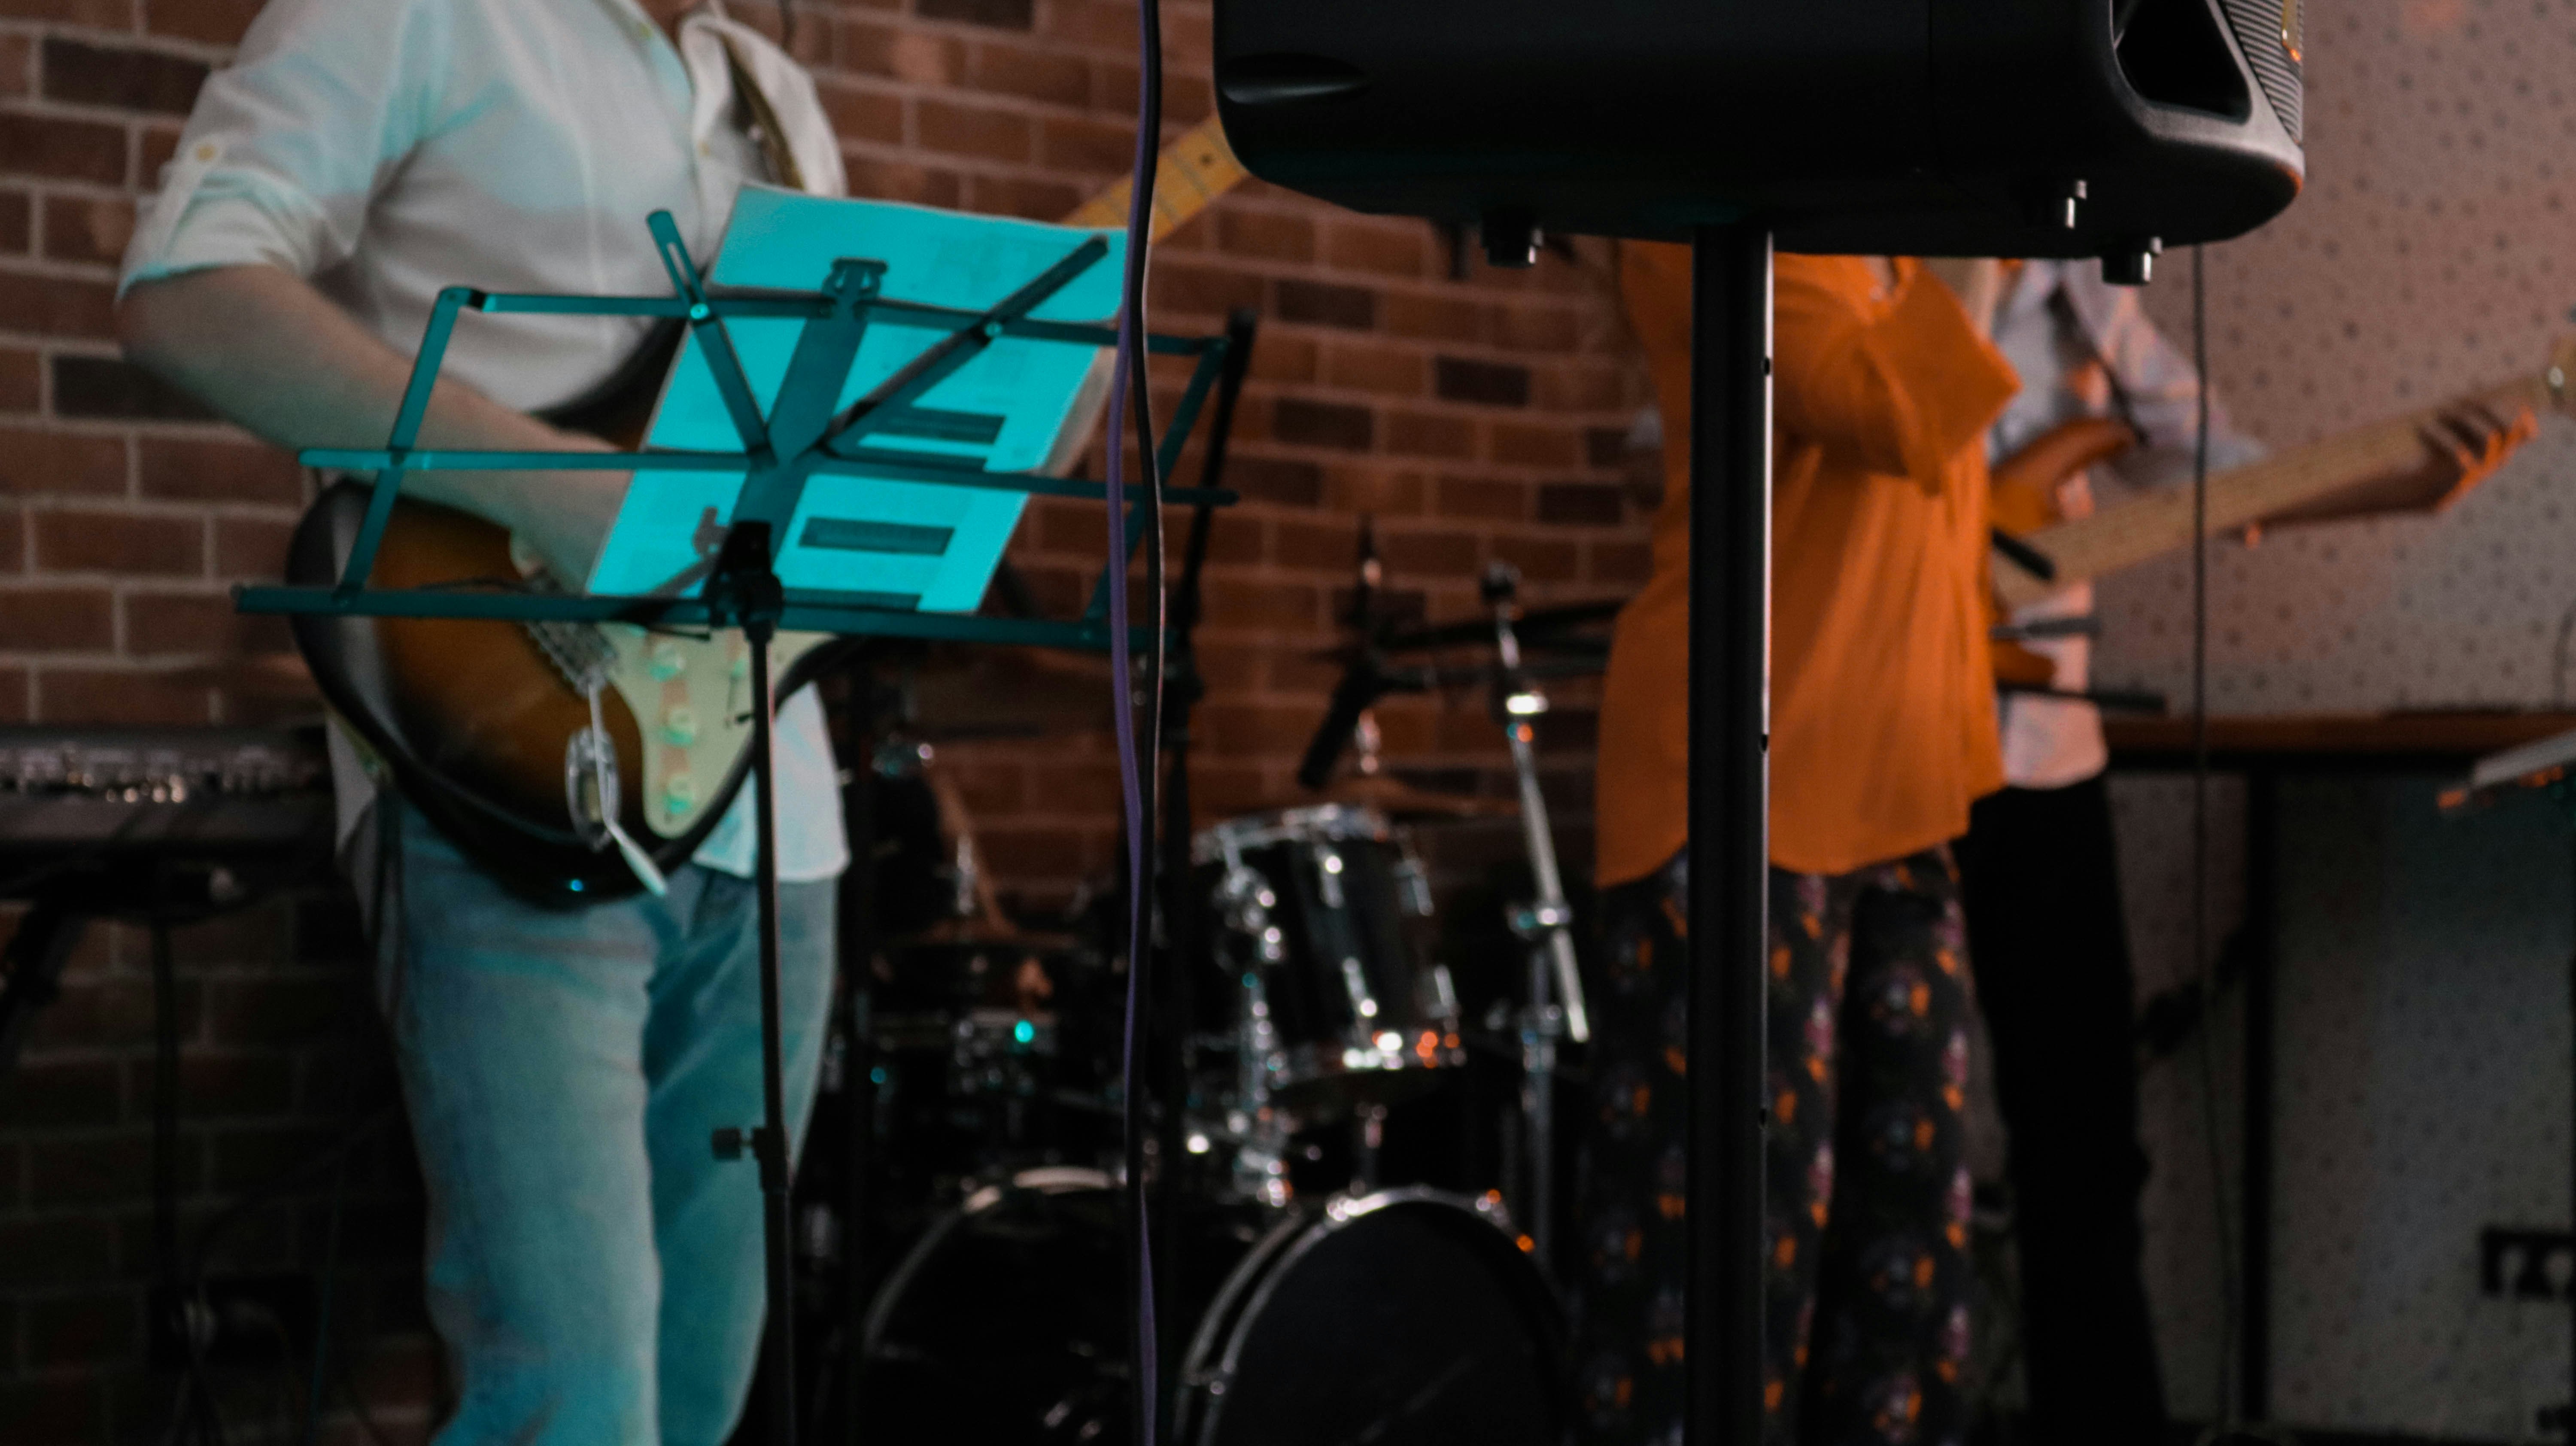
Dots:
(2561, 376)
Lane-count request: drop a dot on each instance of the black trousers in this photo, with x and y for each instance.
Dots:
(2049, 947)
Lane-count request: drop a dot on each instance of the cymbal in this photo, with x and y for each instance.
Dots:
(1408, 803)
(1533, 627)
(986, 692)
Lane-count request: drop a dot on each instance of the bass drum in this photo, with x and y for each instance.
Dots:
(1402, 1318)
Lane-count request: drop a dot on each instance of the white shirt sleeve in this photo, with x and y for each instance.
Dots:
(2163, 388)
(289, 144)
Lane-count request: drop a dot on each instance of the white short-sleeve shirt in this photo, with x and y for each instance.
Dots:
(387, 149)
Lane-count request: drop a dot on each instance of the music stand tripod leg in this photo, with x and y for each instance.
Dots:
(745, 591)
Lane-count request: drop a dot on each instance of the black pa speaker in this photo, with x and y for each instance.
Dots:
(1927, 127)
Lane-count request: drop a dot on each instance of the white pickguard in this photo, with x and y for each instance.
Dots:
(691, 697)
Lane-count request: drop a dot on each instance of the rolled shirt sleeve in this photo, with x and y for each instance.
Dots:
(1896, 389)
(289, 145)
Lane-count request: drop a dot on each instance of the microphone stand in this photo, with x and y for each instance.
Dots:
(1553, 1007)
(744, 590)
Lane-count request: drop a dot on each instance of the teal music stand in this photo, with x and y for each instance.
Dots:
(811, 439)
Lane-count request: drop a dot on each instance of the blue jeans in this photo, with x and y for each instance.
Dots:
(594, 1271)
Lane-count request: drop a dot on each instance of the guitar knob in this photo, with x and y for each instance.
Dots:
(679, 725)
(679, 795)
(667, 661)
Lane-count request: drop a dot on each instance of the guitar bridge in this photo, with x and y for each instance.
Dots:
(578, 651)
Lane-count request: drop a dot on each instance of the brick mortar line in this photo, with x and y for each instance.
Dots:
(1469, 468)
(143, 666)
(179, 510)
(1445, 406)
(46, 107)
(37, 265)
(149, 504)
(84, 346)
(41, 187)
(157, 42)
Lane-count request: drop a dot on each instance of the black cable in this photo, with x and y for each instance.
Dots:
(2229, 1304)
(1135, 761)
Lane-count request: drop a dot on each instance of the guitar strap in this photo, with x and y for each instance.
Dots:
(2062, 307)
(759, 120)
(619, 408)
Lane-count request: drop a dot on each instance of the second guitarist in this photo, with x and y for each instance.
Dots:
(2103, 396)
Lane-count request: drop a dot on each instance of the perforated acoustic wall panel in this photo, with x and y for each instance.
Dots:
(2423, 1084)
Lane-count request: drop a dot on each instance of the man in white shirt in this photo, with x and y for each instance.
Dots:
(594, 1272)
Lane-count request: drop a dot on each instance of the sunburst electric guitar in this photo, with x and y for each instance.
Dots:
(482, 722)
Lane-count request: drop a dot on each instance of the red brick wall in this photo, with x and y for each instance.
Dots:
(1474, 420)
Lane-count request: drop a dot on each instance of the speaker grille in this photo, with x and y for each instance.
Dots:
(2272, 32)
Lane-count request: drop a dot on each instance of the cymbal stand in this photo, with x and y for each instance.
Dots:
(1553, 1008)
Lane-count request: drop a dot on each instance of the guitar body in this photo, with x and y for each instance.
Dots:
(473, 719)
(484, 705)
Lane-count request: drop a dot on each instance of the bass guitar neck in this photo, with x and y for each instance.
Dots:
(2157, 522)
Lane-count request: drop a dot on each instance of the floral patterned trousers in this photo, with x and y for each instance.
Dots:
(1866, 1329)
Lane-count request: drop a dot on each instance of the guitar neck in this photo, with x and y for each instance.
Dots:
(2157, 522)
(1191, 173)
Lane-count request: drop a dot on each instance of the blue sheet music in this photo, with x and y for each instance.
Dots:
(889, 542)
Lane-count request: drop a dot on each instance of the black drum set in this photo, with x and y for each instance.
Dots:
(1354, 1160)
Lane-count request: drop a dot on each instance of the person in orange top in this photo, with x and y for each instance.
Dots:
(1882, 734)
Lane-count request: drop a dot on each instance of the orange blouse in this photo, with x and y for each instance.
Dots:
(1882, 701)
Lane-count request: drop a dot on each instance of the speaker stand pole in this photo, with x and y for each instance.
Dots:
(1730, 608)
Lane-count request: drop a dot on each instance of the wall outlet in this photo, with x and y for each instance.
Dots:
(2526, 1264)
(234, 1320)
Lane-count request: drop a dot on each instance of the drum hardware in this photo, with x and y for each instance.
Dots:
(1553, 1008)
(902, 759)
(1404, 802)
(1333, 1013)
(1315, 912)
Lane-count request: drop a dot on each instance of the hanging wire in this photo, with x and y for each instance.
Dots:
(2230, 1303)
(1128, 389)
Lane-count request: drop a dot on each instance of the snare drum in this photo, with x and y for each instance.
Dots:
(1316, 915)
